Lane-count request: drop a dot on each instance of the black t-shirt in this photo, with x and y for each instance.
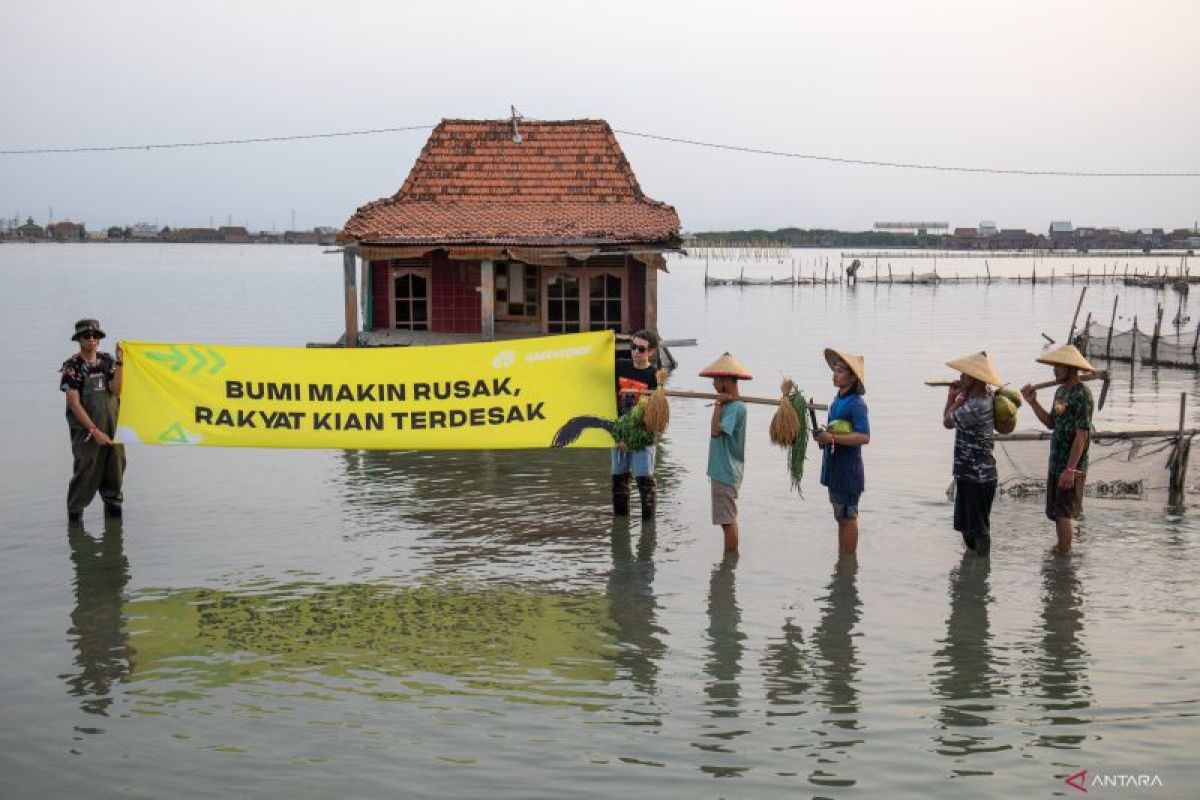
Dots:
(630, 377)
(75, 371)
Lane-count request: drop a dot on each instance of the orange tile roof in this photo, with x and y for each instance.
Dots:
(567, 182)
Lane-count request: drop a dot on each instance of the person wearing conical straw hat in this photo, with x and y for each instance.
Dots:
(1070, 417)
(726, 444)
(841, 441)
(968, 412)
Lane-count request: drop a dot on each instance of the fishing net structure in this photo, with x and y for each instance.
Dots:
(1120, 466)
(1177, 349)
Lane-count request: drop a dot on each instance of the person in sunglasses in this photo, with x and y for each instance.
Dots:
(91, 381)
(634, 376)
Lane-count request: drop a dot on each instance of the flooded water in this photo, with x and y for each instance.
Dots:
(375, 624)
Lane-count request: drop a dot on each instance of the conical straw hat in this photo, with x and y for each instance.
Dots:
(727, 366)
(978, 366)
(856, 364)
(1067, 355)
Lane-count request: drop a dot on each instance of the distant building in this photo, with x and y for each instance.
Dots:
(301, 237)
(65, 231)
(1062, 234)
(144, 232)
(234, 234)
(1014, 239)
(987, 229)
(31, 230)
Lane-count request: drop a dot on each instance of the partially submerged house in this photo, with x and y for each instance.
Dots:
(508, 228)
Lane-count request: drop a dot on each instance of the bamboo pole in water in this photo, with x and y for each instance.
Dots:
(1154, 339)
(1111, 323)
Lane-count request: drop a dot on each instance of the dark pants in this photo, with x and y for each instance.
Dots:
(973, 513)
(1060, 504)
(96, 468)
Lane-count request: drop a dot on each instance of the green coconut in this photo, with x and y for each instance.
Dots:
(840, 427)
(1004, 414)
(1012, 394)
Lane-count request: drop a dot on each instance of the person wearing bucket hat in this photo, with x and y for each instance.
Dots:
(91, 381)
(1070, 417)
(841, 441)
(968, 412)
(726, 444)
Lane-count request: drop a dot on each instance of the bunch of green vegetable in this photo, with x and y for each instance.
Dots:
(630, 428)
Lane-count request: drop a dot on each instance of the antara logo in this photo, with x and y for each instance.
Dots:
(1080, 781)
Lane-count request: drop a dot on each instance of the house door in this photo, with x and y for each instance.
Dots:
(410, 298)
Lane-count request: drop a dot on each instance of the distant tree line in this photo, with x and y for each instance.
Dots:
(819, 237)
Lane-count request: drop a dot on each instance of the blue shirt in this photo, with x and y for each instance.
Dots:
(842, 469)
(727, 452)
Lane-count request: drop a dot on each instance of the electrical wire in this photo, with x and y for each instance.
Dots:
(212, 143)
(1062, 173)
(1059, 173)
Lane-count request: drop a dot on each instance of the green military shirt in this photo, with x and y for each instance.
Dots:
(1071, 411)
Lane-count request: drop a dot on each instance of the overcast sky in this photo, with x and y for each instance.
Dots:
(1045, 85)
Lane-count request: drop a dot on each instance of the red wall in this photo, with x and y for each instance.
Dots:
(636, 293)
(456, 302)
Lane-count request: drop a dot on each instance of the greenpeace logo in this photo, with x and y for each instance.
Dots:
(1112, 780)
(560, 352)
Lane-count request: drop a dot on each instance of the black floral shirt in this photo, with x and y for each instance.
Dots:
(75, 371)
(973, 457)
(1072, 411)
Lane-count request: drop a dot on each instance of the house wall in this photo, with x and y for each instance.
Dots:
(454, 288)
(636, 281)
(456, 306)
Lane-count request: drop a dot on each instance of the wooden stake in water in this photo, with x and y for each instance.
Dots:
(1154, 339)
(1074, 319)
(1111, 323)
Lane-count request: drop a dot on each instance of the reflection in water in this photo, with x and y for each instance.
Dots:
(964, 674)
(723, 666)
(633, 607)
(485, 508)
(786, 671)
(102, 652)
(1062, 661)
(518, 644)
(837, 668)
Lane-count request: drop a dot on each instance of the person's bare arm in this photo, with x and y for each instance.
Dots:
(1030, 395)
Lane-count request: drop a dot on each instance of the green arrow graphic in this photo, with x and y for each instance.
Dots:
(174, 435)
(175, 359)
(218, 361)
(200, 359)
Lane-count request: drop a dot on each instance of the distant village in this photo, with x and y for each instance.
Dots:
(1061, 235)
(67, 231)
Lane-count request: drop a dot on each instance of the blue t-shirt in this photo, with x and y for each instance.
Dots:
(842, 469)
(727, 452)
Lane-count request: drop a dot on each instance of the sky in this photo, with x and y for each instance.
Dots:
(1046, 85)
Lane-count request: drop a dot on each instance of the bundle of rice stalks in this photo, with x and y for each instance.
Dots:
(786, 423)
(657, 415)
(789, 429)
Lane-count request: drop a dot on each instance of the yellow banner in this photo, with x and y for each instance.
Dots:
(523, 393)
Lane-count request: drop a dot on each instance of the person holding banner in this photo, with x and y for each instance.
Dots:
(92, 383)
(727, 444)
(633, 377)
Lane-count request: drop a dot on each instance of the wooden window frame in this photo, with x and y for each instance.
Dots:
(397, 272)
(584, 275)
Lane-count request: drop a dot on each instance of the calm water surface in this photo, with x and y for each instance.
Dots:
(374, 624)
